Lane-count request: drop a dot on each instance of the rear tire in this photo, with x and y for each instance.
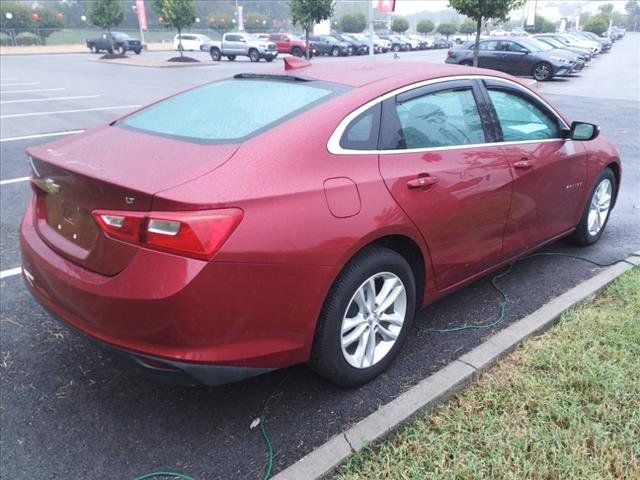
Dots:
(94, 49)
(122, 49)
(542, 72)
(347, 316)
(596, 212)
(216, 54)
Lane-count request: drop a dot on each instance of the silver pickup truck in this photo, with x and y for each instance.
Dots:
(241, 44)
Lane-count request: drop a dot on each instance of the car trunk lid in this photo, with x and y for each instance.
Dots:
(109, 168)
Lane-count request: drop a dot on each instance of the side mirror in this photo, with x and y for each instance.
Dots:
(583, 131)
(243, 40)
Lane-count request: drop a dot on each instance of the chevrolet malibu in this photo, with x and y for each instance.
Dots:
(271, 219)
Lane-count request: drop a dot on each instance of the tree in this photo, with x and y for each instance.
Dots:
(597, 24)
(542, 25)
(48, 22)
(307, 13)
(480, 10)
(400, 25)
(447, 29)
(176, 14)
(468, 27)
(425, 26)
(353, 22)
(633, 9)
(106, 14)
(255, 22)
(22, 20)
(606, 8)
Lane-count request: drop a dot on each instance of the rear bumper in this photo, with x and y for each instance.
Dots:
(193, 315)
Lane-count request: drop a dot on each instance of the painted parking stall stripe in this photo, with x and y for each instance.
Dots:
(14, 180)
(19, 84)
(10, 272)
(34, 90)
(41, 135)
(58, 112)
(50, 99)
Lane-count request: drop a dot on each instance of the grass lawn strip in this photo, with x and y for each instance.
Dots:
(564, 405)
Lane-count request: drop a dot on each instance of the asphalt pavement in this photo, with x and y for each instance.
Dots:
(67, 408)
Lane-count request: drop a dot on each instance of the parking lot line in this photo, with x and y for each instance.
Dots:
(51, 99)
(10, 272)
(18, 84)
(34, 90)
(14, 180)
(40, 135)
(33, 114)
(8, 79)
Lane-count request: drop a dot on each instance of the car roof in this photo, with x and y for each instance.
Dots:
(391, 73)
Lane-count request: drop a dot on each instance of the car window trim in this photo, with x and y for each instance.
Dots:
(333, 144)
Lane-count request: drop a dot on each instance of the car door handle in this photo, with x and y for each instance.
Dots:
(523, 164)
(422, 182)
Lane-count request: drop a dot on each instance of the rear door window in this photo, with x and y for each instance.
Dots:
(229, 110)
(443, 118)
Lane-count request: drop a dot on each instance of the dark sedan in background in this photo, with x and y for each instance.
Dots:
(358, 47)
(583, 53)
(519, 57)
(328, 45)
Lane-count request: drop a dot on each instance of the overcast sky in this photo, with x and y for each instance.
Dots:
(406, 7)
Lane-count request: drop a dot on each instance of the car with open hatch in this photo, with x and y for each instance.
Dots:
(303, 215)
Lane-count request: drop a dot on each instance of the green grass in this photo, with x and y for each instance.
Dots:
(566, 405)
(77, 36)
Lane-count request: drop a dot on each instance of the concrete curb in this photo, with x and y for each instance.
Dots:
(445, 382)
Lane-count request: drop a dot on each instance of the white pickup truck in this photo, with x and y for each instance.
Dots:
(241, 44)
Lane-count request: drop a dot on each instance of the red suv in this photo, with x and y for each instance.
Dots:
(303, 215)
(288, 43)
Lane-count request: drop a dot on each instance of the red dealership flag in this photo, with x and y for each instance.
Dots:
(386, 5)
(142, 14)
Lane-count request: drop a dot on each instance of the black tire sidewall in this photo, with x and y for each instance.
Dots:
(297, 52)
(581, 235)
(254, 56)
(215, 54)
(327, 358)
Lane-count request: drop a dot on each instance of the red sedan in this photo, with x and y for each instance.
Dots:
(303, 216)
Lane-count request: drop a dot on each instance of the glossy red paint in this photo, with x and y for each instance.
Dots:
(306, 212)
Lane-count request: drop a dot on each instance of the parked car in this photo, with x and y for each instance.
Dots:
(606, 43)
(397, 44)
(518, 56)
(287, 43)
(190, 41)
(357, 47)
(573, 42)
(415, 41)
(441, 42)
(254, 252)
(328, 45)
(236, 44)
(584, 53)
(122, 43)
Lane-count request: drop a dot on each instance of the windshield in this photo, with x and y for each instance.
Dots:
(552, 41)
(226, 111)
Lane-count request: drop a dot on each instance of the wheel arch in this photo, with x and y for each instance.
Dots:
(615, 168)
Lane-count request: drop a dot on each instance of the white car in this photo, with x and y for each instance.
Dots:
(190, 41)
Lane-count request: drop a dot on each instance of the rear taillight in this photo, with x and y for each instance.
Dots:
(198, 234)
(451, 53)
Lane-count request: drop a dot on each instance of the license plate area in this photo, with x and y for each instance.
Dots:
(69, 220)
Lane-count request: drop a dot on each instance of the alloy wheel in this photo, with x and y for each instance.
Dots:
(542, 72)
(599, 207)
(373, 320)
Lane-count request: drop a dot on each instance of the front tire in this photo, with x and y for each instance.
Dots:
(335, 52)
(396, 48)
(365, 318)
(216, 55)
(254, 56)
(137, 50)
(542, 72)
(94, 49)
(596, 213)
(296, 52)
(122, 49)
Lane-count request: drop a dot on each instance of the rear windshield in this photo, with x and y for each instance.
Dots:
(229, 110)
